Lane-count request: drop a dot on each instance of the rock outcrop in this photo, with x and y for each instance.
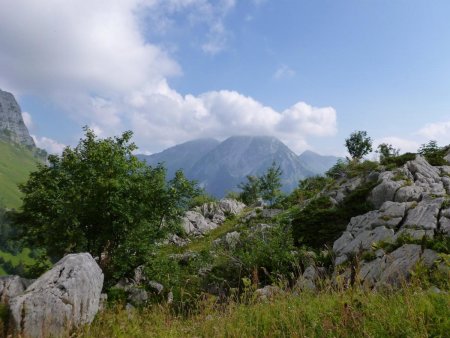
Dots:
(12, 126)
(210, 215)
(61, 300)
(409, 201)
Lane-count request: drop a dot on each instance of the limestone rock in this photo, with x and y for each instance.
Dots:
(401, 262)
(62, 299)
(194, 223)
(12, 126)
(268, 292)
(424, 216)
(11, 286)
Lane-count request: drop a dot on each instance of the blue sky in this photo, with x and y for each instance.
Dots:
(307, 71)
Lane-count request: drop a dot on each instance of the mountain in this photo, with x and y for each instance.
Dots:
(316, 163)
(12, 127)
(220, 166)
(18, 153)
(223, 168)
(183, 156)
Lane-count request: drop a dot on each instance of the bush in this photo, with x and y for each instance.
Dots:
(433, 153)
(321, 223)
(398, 161)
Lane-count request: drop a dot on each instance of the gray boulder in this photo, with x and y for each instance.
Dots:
(194, 223)
(424, 215)
(400, 263)
(60, 300)
(11, 286)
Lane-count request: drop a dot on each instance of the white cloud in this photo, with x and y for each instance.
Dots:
(51, 146)
(436, 131)
(283, 72)
(91, 58)
(27, 120)
(405, 145)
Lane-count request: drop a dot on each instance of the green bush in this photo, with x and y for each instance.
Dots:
(321, 223)
(398, 161)
(433, 153)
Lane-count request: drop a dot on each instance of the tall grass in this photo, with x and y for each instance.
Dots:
(410, 312)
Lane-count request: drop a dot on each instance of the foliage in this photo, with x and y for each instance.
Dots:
(250, 190)
(201, 199)
(387, 151)
(321, 223)
(265, 254)
(358, 144)
(100, 198)
(338, 170)
(410, 312)
(397, 161)
(433, 153)
(271, 184)
(307, 189)
(267, 186)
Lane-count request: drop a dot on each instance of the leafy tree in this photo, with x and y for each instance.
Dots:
(358, 145)
(98, 197)
(271, 183)
(251, 190)
(387, 151)
(268, 186)
(433, 153)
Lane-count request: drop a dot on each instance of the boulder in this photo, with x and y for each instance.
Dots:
(386, 190)
(194, 223)
(268, 292)
(11, 286)
(400, 263)
(424, 215)
(60, 300)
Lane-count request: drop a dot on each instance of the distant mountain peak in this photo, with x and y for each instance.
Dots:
(12, 126)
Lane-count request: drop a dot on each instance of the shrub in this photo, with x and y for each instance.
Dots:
(433, 153)
(321, 223)
(398, 161)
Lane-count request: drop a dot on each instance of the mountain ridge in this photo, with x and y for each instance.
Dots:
(220, 166)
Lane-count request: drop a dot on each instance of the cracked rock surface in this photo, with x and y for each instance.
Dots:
(408, 201)
(62, 299)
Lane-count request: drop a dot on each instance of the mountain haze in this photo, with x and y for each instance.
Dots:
(316, 163)
(220, 166)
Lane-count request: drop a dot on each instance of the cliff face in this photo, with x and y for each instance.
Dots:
(12, 126)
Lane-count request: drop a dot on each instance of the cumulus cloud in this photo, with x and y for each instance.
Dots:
(50, 145)
(405, 145)
(92, 59)
(436, 131)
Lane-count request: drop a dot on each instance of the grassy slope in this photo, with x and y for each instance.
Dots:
(410, 312)
(15, 165)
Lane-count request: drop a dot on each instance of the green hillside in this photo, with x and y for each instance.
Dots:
(16, 163)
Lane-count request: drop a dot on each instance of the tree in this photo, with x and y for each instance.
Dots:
(268, 186)
(358, 145)
(98, 197)
(251, 190)
(271, 183)
(387, 151)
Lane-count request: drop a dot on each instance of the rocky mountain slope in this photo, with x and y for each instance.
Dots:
(220, 167)
(12, 126)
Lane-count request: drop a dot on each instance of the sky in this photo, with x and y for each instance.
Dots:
(309, 72)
